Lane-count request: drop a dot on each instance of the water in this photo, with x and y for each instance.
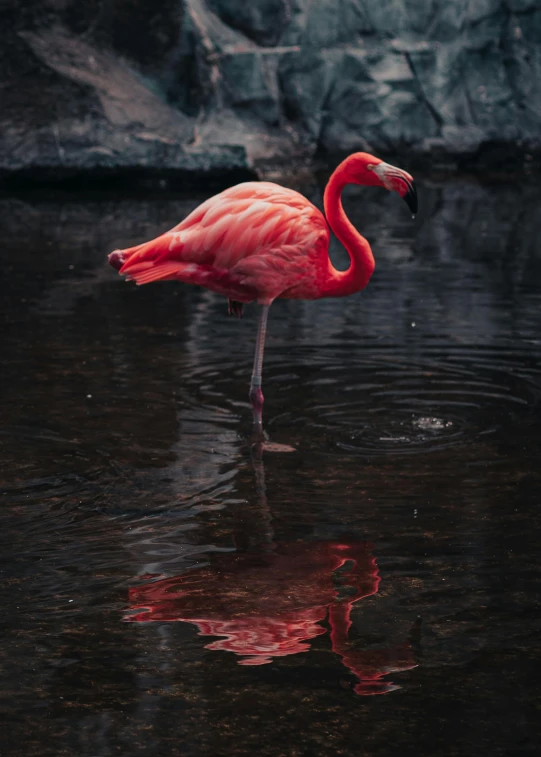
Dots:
(165, 593)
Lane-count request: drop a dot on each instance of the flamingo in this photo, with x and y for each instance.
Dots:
(261, 241)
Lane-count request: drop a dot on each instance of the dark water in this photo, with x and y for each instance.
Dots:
(374, 592)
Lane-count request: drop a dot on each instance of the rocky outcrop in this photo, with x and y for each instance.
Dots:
(213, 86)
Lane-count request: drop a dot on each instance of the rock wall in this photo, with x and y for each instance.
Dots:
(229, 85)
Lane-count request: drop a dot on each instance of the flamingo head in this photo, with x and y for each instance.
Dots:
(371, 171)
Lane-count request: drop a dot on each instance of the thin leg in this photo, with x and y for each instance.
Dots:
(256, 395)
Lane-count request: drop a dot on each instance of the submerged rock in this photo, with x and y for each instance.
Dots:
(223, 85)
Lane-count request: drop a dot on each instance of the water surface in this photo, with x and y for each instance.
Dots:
(375, 591)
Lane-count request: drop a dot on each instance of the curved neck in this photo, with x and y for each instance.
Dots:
(362, 264)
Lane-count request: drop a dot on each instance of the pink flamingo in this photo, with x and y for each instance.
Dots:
(260, 241)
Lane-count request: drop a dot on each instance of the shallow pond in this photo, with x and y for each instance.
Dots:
(373, 592)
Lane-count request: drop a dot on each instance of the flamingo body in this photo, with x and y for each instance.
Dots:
(255, 241)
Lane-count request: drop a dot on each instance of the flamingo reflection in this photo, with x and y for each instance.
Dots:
(271, 604)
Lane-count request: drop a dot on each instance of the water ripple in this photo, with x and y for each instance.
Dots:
(373, 400)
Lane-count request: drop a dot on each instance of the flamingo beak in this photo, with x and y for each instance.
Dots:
(395, 179)
(410, 197)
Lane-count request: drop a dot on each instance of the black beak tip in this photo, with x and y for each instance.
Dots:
(411, 198)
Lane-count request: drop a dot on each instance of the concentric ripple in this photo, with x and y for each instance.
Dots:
(404, 404)
(377, 400)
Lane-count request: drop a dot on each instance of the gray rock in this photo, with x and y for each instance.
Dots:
(226, 85)
(263, 21)
(94, 113)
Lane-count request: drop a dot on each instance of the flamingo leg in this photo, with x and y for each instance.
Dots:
(234, 308)
(256, 395)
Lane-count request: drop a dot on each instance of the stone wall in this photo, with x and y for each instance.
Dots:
(229, 85)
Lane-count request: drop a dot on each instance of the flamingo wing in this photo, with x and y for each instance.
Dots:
(253, 241)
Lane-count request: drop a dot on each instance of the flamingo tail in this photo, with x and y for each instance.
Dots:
(161, 260)
(149, 261)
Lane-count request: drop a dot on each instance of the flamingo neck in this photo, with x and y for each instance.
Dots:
(357, 276)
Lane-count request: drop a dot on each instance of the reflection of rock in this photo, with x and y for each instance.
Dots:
(220, 85)
(269, 605)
